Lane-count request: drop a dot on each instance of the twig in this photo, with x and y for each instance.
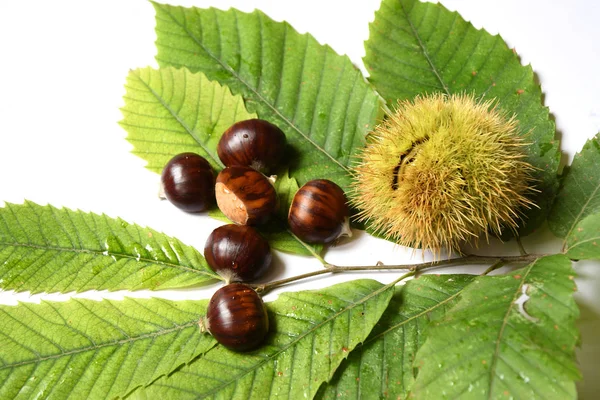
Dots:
(413, 268)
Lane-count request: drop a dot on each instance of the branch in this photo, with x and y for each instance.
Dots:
(413, 268)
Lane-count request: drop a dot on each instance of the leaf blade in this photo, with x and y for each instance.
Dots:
(500, 338)
(328, 322)
(382, 367)
(315, 96)
(170, 111)
(116, 345)
(46, 249)
(579, 195)
(416, 48)
(582, 242)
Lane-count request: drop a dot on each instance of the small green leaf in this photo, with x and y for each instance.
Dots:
(276, 232)
(311, 333)
(87, 349)
(382, 367)
(171, 111)
(507, 337)
(416, 48)
(318, 98)
(583, 242)
(46, 249)
(579, 195)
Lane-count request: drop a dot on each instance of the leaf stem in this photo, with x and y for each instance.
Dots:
(496, 262)
(493, 267)
(310, 250)
(521, 247)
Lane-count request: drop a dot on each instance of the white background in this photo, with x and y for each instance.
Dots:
(62, 69)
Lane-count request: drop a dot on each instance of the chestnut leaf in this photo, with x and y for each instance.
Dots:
(382, 367)
(171, 111)
(584, 241)
(87, 349)
(417, 48)
(510, 336)
(311, 333)
(47, 249)
(578, 197)
(318, 98)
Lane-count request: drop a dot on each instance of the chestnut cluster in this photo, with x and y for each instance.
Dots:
(236, 315)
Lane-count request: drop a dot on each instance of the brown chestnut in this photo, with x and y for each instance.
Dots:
(319, 213)
(238, 253)
(236, 317)
(187, 181)
(253, 143)
(245, 195)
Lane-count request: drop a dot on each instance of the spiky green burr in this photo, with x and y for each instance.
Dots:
(441, 171)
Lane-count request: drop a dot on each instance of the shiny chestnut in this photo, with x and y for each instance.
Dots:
(253, 143)
(238, 253)
(187, 181)
(237, 317)
(245, 195)
(319, 212)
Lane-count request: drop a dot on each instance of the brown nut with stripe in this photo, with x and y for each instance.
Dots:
(236, 317)
(245, 195)
(319, 213)
(188, 182)
(238, 253)
(254, 143)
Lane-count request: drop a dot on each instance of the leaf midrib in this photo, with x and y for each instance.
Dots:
(254, 91)
(424, 49)
(296, 340)
(581, 243)
(496, 354)
(107, 253)
(179, 120)
(578, 218)
(426, 311)
(104, 345)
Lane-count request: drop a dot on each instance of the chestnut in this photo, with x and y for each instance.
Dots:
(236, 317)
(187, 181)
(319, 213)
(238, 253)
(253, 143)
(245, 195)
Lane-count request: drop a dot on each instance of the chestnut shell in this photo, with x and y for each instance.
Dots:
(319, 212)
(188, 182)
(237, 317)
(245, 195)
(254, 143)
(238, 253)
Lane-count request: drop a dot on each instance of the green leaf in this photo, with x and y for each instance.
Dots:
(508, 337)
(46, 249)
(579, 195)
(382, 367)
(86, 349)
(276, 232)
(582, 243)
(311, 333)
(318, 98)
(416, 48)
(171, 111)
